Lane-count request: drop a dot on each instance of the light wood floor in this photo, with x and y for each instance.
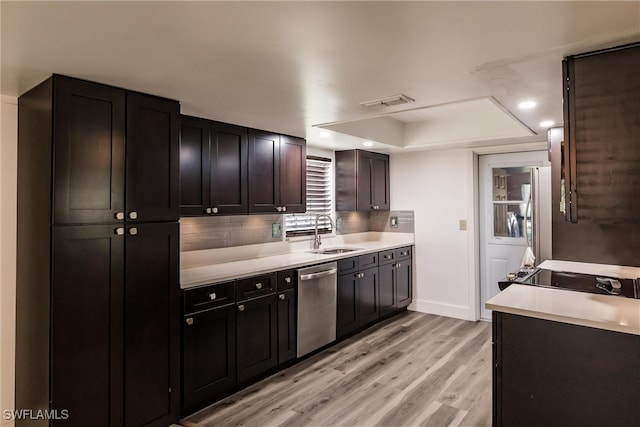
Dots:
(412, 370)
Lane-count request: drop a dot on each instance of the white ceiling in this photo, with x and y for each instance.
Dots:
(287, 66)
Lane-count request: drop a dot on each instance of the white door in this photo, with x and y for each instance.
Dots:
(505, 217)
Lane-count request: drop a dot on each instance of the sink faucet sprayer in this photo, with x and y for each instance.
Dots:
(317, 241)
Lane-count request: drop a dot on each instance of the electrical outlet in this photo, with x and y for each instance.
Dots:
(276, 229)
(394, 222)
(463, 224)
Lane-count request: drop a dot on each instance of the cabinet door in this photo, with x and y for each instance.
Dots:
(264, 172)
(228, 180)
(387, 279)
(368, 297)
(404, 273)
(257, 337)
(152, 328)
(364, 192)
(194, 166)
(380, 182)
(293, 174)
(347, 310)
(89, 124)
(153, 158)
(287, 339)
(86, 324)
(209, 356)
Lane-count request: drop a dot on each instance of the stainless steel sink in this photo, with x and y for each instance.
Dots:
(333, 251)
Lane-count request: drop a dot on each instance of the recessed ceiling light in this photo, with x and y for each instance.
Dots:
(367, 143)
(527, 105)
(325, 134)
(547, 123)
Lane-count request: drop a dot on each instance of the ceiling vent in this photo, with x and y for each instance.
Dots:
(387, 102)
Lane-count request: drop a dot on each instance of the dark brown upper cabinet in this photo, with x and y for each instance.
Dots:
(153, 158)
(90, 156)
(277, 173)
(601, 152)
(362, 181)
(89, 151)
(213, 168)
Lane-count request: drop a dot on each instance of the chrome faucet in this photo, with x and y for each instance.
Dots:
(317, 241)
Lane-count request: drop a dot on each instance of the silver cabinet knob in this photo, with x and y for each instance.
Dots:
(119, 216)
(284, 209)
(258, 285)
(133, 231)
(287, 280)
(208, 210)
(282, 297)
(212, 296)
(241, 307)
(133, 215)
(189, 321)
(119, 231)
(398, 265)
(279, 209)
(214, 210)
(404, 253)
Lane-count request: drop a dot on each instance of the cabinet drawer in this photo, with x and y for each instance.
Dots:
(404, 253)
(348, 265)
(287, 279)
(209, 296)
(255, 286)
(368, 260)
(387, 257)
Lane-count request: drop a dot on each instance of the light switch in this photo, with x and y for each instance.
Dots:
(463, 224)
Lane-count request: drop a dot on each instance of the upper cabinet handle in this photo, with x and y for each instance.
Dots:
(133, 215)
(133, 231)
(119, 216)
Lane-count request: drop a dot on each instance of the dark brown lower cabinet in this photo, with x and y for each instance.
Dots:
(287, 319)
(209, 349)
(548, 373)
(87, 351)
(358, 300)
(388, 286)
(114, 339)
(404, 280)
(257, 336)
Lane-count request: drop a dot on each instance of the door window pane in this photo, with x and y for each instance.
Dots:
(511, 189)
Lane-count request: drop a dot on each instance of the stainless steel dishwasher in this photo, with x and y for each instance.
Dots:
(317, 296)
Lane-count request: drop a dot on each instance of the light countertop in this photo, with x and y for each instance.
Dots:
(213, 272)
(607, 312)
(607, 270)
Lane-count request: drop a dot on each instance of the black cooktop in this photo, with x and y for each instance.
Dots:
(581, 282)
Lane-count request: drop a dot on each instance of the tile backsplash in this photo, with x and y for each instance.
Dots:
(226, 231)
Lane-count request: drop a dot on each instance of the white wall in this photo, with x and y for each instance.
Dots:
(8, 205)
(440, 187)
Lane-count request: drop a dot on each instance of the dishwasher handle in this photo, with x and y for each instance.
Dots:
(323, 273)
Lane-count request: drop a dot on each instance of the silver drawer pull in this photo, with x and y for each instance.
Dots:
(214, 210)
(241, 307)
(119, 231)
(133, 215)
(212, 296)
(208, 210)
(189, 321)
(287, 280)
(133, 231)
(258, 286)
(282, 297)
(119, 216)
(398, 265)
(404, 253)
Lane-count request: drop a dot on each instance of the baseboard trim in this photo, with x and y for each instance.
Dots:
(442, 309)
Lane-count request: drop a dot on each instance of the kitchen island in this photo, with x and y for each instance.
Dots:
(565, 358)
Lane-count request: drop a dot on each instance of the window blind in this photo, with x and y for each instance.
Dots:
(319, 191)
